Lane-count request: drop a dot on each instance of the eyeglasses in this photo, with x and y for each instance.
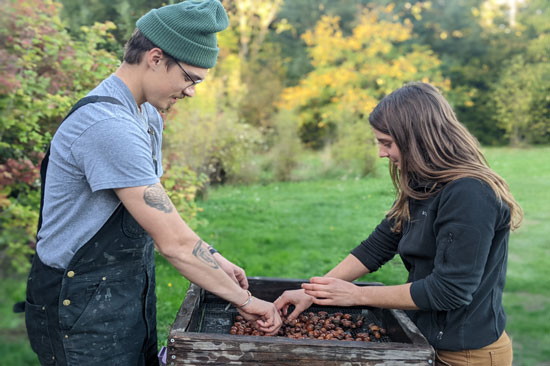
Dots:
(193, 82)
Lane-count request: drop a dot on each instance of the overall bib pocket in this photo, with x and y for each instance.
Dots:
(102, 305)
(112, 322)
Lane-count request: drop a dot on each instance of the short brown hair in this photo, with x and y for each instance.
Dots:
(137, 45)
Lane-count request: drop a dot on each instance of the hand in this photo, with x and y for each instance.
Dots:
(265, 315)
(332, 291)
(298, 298)
(236, 273)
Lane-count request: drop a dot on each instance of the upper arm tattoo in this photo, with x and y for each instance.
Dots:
(156, 197)
(201, 252)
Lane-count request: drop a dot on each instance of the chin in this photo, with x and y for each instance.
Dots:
(161, 107)
(166, 106)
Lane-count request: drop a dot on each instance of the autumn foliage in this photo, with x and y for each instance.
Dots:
(293, 78)
(44, 71)
(351, 74)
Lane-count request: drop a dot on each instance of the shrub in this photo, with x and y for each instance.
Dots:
(520, 96)
(355, 149)
(205, 134)
(43, 72)
(287, 148)
(182, 185)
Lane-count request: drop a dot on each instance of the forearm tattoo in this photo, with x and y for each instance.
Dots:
(156, 197)
(202, 252)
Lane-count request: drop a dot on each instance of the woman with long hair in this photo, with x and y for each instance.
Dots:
(450, 224)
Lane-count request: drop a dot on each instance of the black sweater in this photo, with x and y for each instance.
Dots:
(455, 247)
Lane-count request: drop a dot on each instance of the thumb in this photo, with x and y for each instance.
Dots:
(242, 280)
(294, 314)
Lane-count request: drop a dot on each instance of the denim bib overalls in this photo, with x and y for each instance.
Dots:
(100, 310)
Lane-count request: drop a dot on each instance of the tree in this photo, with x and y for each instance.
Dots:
(475, 40)
(260, 67)
(351, 74)
(520, 96)
(296, 17)
(123, 13)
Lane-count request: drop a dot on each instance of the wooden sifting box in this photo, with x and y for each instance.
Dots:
(200, 336)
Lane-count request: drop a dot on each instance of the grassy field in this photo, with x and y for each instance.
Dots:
(302, 229)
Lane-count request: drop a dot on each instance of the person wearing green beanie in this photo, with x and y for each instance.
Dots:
(91, 290)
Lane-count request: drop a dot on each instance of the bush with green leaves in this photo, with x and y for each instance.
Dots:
(44, 72)
(286, 148)
(182, 185)
(211, 142)
(206, 134)
(520, 95)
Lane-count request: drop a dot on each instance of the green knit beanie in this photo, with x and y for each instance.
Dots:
(186, 31)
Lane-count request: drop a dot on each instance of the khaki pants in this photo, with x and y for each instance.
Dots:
(497, 354)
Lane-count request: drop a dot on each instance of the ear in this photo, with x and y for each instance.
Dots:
(153, 57)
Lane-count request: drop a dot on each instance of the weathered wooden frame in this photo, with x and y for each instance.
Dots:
(408, 346)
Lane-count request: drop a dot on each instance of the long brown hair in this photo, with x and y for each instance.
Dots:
(435, 149)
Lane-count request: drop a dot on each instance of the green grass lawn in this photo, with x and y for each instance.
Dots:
(302, 229)
(527, 292)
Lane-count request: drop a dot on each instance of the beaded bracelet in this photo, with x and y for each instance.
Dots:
(248, 301)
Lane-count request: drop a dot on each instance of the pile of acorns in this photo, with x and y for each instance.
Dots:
(320, 325)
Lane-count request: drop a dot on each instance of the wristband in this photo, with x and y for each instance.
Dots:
(248, 301)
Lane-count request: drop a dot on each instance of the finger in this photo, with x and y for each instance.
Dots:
(279, 303)
(319, 294)
(271, 333)
(295, 314)
(320, 280)
(241, 276)
(243, 282)
(313, 287)
(269, 328)
(285, 309)
(299, 308)
(282, 303)
(266, 323)
(234, 278)
(262, 323)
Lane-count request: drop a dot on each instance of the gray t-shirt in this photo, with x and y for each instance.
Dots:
(100, 147)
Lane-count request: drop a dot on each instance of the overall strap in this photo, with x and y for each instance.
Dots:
(44, 165)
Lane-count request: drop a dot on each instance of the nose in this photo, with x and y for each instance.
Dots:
(382, 153)
(189, 91)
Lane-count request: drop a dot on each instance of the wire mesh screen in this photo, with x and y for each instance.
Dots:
(215, 318)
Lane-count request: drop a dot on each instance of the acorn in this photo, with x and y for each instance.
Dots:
(320, 325)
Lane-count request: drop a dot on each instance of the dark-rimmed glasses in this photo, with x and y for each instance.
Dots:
(193, 82)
